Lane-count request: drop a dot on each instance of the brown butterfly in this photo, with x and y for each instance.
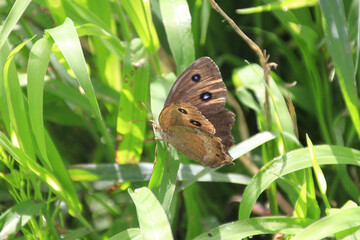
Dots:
(194, 119)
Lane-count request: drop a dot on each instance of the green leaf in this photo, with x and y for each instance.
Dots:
(112, 43)
(17, 216)
(16, 106)
(284, 5)
(320, 178)
(337, 36)
(128, 234)
(152, 218)
(329, 225)
(143, 171)
(37, 67)
(140, 14)
(292, 162)
(66, 38)
(17, 10)
(256, 226)
(134, 94)
(177, 21)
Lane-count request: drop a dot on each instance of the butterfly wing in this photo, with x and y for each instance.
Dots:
(183, 126)
(201, 85)
(184, 114)
(198, 145)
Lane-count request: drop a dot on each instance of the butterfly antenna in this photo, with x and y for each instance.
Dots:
(149, 112)
(135, 120)
(147, 109)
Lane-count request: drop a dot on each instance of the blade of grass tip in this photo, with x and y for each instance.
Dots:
(12, 18)
(152, 219)
(318, 172)
(37, 67)
(14, 97)
(66, 38)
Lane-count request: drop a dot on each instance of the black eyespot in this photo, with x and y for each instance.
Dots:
(196, 123)
(182, 110)
(210, 234)
(196, 77)
(206, 96)
(217, 155)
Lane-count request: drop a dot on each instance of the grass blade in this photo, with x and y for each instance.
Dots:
(329, 225)
(12, 18)
(177, 21)
(337, 36)
(66, 38)
(256, 226)
(17, 216)
(292, 162)
(152, 218)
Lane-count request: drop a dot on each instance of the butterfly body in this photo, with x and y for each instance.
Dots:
(194, 119)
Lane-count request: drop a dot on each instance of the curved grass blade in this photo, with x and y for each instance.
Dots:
(112, 43)
(329, 225)
(66, 38)
(128, 234)
(143, 171)
(338, 41)
(139, 13)
(14, 15)
(37, 67)
(292, 162)
(16, 106)
(17, 216)
(256, 226)
(153, 221)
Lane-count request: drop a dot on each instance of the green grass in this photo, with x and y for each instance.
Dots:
(73, 164)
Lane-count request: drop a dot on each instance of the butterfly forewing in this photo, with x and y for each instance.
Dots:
(202, 86)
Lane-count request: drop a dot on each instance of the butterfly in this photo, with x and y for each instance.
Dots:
(194, 119)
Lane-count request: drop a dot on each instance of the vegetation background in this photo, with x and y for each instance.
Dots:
(73, 74)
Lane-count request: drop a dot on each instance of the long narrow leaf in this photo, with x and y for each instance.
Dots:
(153, 222)
(292, 162)
(337, 36)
